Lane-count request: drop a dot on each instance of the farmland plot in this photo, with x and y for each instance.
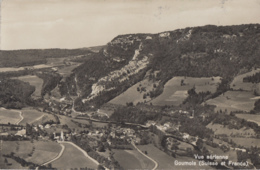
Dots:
(73, 158)
(134, 95)
(238, 83)
(9, 116)
(233, 101)
(175, 92)
(132, 159)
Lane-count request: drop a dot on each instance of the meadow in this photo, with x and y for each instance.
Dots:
(44, 152)
(65, 71)
(9, 116)
(64, 120)
(233, 101)
(132, 95)
(31, 116)
(73, 158)
(132, 159)
(246, 142)
(55, 61)
(34, 81)
(11, 164)
(94, 124)
(166, 161)
(174, 93)
(42, 119)
(250, 117)
(238, 83)
(41, 151)
(220, 129)
(232, 155)
(9, 69)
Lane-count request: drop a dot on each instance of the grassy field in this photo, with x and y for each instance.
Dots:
(67, 70)
(64, 120)
(55, 61)
(34, 81)
(246, 142)
(165, 161)
(12, 163)
(9, 116)
(232, 156)
(132, 95)
(238, 83)
(21, 148)
(46, 117)
(9, 69)
(73, 158)
(220, 129)
(175, 94)
(132, 159)
(250, 117)
(94, 124)
(31, 116)
(43, 150)
(233, 101)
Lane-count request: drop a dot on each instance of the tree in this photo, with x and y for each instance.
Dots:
(182, 82)
(144, 96)
(199, 143)
(6, 162)
(101, 148)
(49, 166)
(100, 167)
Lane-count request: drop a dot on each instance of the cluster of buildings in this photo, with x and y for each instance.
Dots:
(60, 137)
(125, 133)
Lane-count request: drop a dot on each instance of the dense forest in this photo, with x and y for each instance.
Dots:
(15, 93)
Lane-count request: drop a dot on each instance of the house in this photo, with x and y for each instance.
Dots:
(113, 134)
(21, 132)
(47, 126)
(148, 38)
(40, 126)
(239, 149)
(137, 140)
(150, 123)
(35, 128)
(185, 136)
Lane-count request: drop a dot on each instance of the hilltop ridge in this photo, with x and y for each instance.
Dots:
(195, 51)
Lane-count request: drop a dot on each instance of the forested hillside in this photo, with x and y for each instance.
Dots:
(195, 52)
(15, 93)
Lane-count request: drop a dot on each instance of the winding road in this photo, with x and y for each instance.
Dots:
(84, 152)
(21, 116)
(54, 159)
(156, 164)
(36, 119)
(57, 157)
(62, 150)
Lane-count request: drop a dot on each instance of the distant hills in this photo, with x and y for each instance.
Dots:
(19, 58)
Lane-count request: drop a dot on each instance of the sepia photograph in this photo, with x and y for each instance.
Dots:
(129, 84)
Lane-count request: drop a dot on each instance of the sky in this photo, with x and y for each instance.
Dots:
(38, 24)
